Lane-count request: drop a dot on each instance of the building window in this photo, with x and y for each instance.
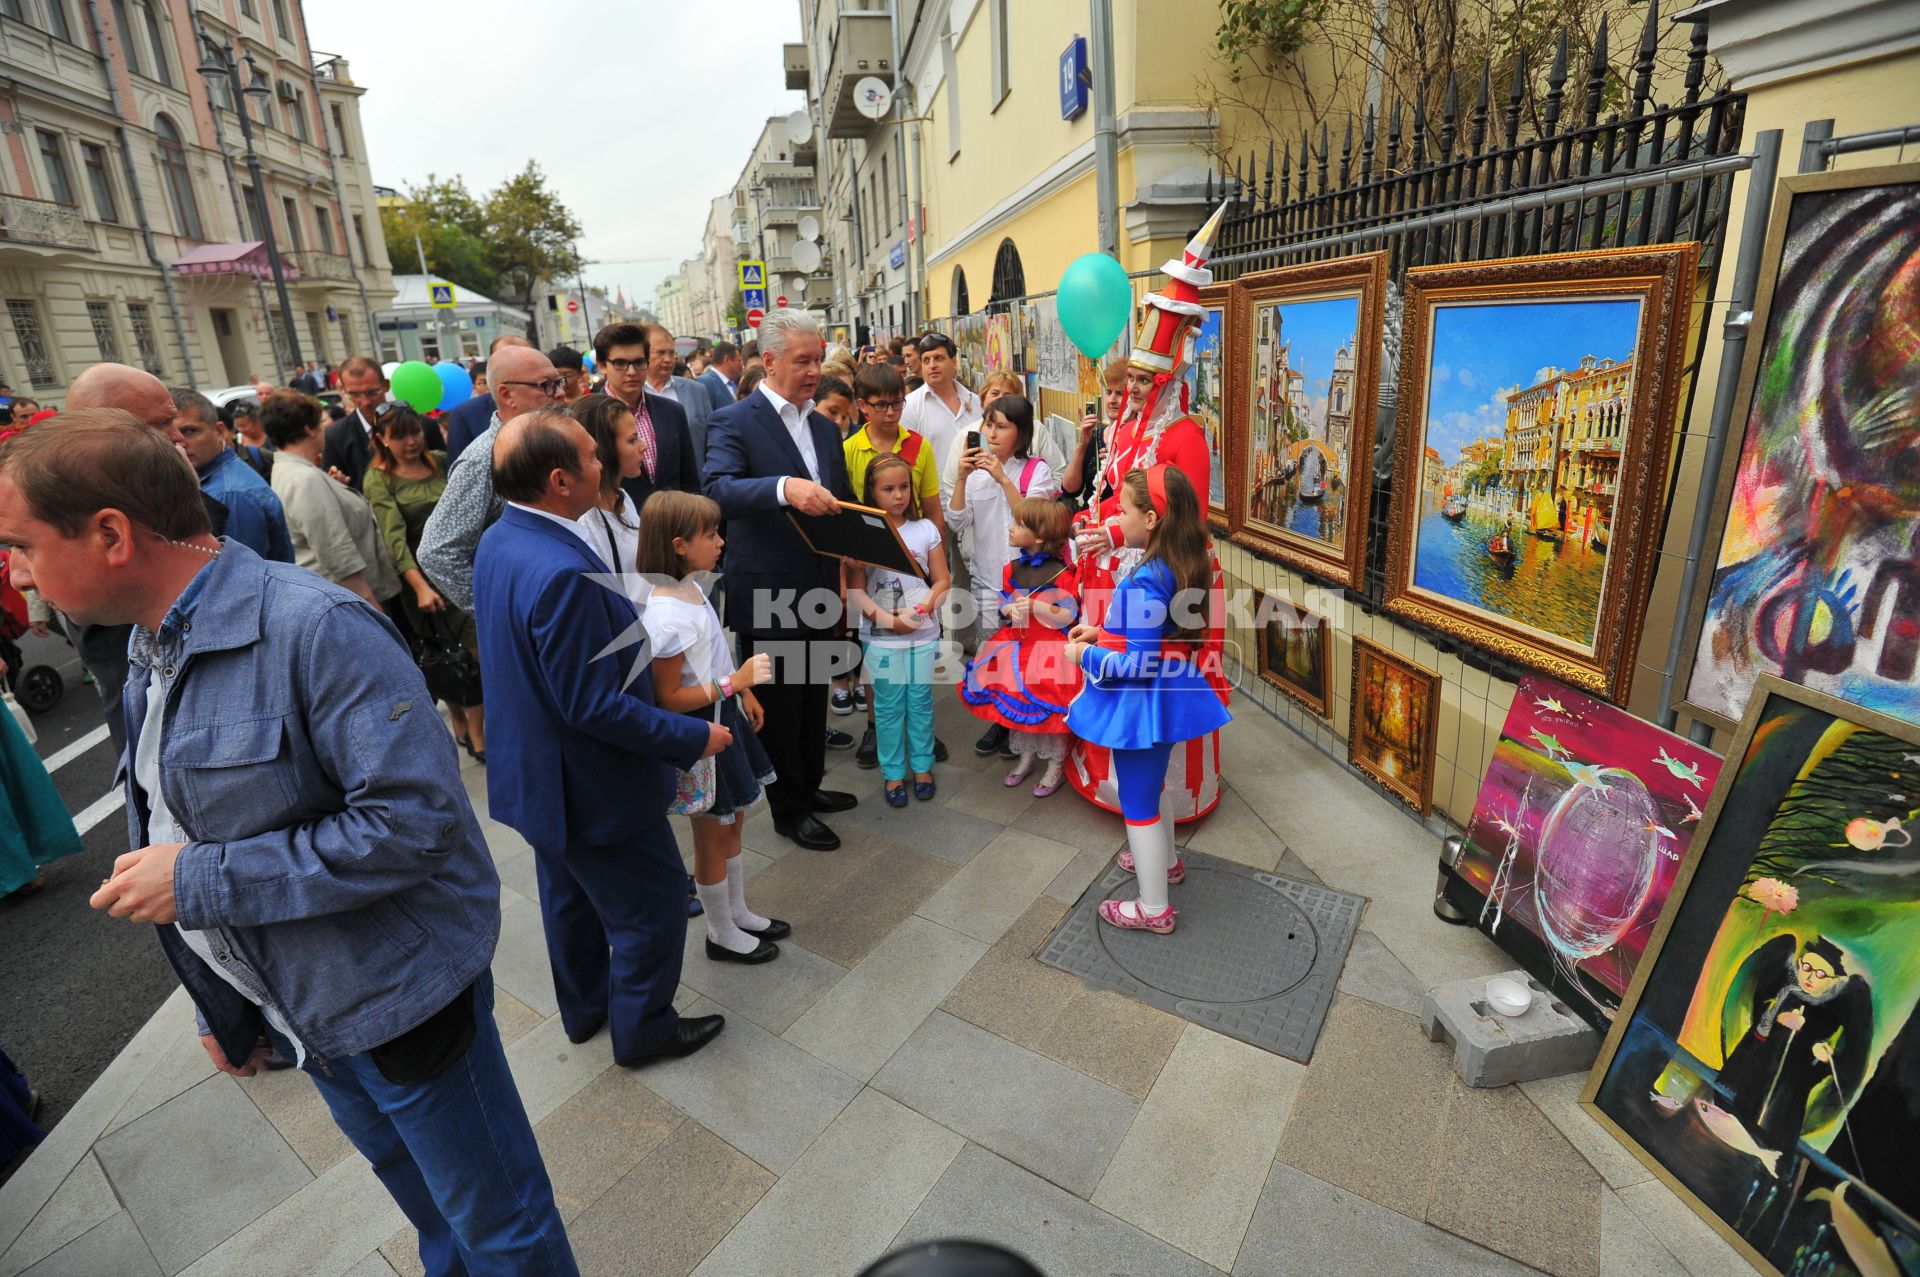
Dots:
(280, 22)
(1009, 277)
(997, 14)
(57, 20)
(950, 68)
(323, 220)
(248, 11)
(282, 347)
(33, 343)
(886, 194)
(346, 334)
(173, 170)
(11, 8)
(94, 159)
(254, 220)
(145, 339)
(961, 305)
(161, 67)
(294, 236)
(100, 315)
(128, 48)
(360, 237)
(297, 116)
(340, 131)
(54, 159)
(317, 334)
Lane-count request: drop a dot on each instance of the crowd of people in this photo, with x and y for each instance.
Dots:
(272, 601)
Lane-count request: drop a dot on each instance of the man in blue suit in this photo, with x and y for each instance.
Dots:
(722, 377)
(766, 454)
(581, 761)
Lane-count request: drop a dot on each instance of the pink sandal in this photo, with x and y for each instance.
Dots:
(1174, 874)
(1112, 912)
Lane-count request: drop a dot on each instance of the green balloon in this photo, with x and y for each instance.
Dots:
(417, 385)
(1095, 302)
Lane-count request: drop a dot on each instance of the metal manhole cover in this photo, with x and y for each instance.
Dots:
(1255, 955)
(1252, 941)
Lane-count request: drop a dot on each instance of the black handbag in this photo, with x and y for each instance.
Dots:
(452, 673)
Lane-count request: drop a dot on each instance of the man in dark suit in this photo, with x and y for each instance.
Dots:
(347, 449)
(722, 377)
(766, 454)
(669, 460)
(582, 762)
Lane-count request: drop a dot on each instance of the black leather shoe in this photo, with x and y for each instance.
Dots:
(808, 832)
(693, 1033)
(990, 741)
(868, 756)
(939, 750)
(766, 951)
(588, 1035)
(838, 739)
(832, 800)
(774, 930)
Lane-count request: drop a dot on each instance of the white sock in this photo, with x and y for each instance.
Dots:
(721, 928)
(1152, 847)
(1022, 764)
(743, 917)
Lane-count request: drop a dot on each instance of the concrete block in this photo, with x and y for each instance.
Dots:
(1495, 1049)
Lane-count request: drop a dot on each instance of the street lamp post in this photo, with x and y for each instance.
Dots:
(220, 64)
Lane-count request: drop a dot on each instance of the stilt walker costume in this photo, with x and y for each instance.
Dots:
(1144, 698)
(1157, 432)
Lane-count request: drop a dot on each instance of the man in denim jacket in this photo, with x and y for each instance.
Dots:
(304, 843)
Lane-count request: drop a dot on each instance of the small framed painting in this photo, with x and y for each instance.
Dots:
(1205, 380)
(1296, 651)
(1304, 365)
(1395, 718)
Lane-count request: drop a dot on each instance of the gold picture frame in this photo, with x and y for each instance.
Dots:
(1766, 727)
(1404, 762)
(1273, 425)
(1318, 647)
(1536, 540)
(1210, 380)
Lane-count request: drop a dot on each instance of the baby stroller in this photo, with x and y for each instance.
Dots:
(38, 687)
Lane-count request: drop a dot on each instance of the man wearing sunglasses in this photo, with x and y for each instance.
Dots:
(523, 379)
(666, 445)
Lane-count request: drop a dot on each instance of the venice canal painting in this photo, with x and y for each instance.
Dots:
(1302, 417)
(1528, 409)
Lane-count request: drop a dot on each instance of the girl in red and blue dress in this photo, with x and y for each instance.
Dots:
(1144, 691)
(1020, 679)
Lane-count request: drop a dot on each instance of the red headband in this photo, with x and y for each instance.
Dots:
(1157, 489)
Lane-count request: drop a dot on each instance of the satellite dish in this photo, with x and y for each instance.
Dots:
(872, 97)
(799, 127)
(806, 254)
(809, 228)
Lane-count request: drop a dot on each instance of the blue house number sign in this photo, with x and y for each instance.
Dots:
(1074, 80)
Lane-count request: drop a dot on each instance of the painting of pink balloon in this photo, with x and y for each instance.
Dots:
(1581, 825)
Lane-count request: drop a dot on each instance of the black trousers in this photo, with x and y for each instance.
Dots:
(795, 731)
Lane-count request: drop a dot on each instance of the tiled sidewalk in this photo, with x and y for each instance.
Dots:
(906, 1070)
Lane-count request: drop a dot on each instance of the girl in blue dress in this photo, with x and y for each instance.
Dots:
(1143, 693)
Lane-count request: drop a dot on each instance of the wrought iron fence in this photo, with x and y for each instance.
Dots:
(1470, 187)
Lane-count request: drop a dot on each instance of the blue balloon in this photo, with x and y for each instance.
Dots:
(1095, 302)
(586, 357)
(457, 386)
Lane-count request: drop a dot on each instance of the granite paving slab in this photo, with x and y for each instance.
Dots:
(242, 1169)
(292, 1103)
(1684, 1235)
(996, 886)
(79, 1205)
(605, 1130)
(1373, 973)
(843, 903)
(1559, 1099)
(772, 994)
(931, 827)
(983, 1195)
(113, 1246)
(323, 1230)
(1058, 1123)
(697, 1180)
(184, 1064)
(1628, 1247)
(866, 1016)
(520, 964)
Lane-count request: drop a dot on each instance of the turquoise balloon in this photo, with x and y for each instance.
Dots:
(417, 385)
(1095, 302)
(455, 385)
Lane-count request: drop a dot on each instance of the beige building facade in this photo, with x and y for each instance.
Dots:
(133, 232)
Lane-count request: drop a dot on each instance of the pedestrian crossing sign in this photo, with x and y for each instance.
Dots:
(441, 295)
(753, 275)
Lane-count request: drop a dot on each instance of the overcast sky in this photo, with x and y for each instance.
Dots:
(680, 90)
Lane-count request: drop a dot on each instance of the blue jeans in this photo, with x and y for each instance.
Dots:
(458, 1155)
(903, 705)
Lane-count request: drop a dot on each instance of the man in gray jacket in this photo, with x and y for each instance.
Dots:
(302, 839)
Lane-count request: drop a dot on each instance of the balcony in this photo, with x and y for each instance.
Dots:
(795, 58)
(317, 267)
(862, 46)
(43, 224)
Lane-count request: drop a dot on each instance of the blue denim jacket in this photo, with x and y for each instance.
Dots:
(332, 843)
(254, 517)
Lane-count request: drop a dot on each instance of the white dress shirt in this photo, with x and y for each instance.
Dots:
(794, 418)
(568, 524)
(665, 392)
(926, 413)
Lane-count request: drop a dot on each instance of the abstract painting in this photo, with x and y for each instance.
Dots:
(1296, 651)
(1817, 578)
(999, 338)
(1583, 822)
(1305, 374)
(1537, 401)
(1767, 1059)
(1395, 715)
(1205, 381)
